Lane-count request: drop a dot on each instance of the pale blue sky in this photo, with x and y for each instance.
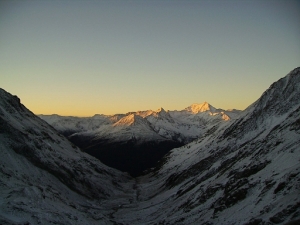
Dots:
(88, 57)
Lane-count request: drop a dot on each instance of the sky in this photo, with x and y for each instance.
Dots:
(83, 58)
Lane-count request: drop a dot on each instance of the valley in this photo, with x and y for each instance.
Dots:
(244, 170)
(136, 141)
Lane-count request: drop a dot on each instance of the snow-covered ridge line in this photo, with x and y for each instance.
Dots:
(181, 126)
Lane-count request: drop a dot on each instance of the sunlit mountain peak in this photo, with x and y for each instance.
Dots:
(128, 120)
(161, 109)
(196, 108)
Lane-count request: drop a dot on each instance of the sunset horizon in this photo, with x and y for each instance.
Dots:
(83, 58)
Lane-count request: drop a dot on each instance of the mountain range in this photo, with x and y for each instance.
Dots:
(135, 141)
(245, 171)
(180, 126)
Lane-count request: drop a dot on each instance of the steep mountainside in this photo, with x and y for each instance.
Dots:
(135, 141)
(47, 180)
(247, 172)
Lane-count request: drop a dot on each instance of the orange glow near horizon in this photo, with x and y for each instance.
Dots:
(86, 110)
(79, 59)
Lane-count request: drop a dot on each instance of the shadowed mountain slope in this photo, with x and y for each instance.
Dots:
(46, 179)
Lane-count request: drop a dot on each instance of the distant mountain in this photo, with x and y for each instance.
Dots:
(136, 141)
(204, 107)
(181, 126)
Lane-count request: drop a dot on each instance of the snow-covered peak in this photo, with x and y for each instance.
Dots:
(284, 94)
(12, 104)
(162, 112)
(144, 113)
(196, 108)
(129, 120)
(116, 117)
(159, 115)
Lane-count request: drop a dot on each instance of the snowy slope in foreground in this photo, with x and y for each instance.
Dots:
(46, 180)
(247, 172)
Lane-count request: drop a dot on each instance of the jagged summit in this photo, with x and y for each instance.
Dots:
(161, 109)
(284, 94)
(161, 112)
(196, 108)
(272, 107)
(11, 103)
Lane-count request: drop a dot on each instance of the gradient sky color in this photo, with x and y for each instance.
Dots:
(86, 57)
